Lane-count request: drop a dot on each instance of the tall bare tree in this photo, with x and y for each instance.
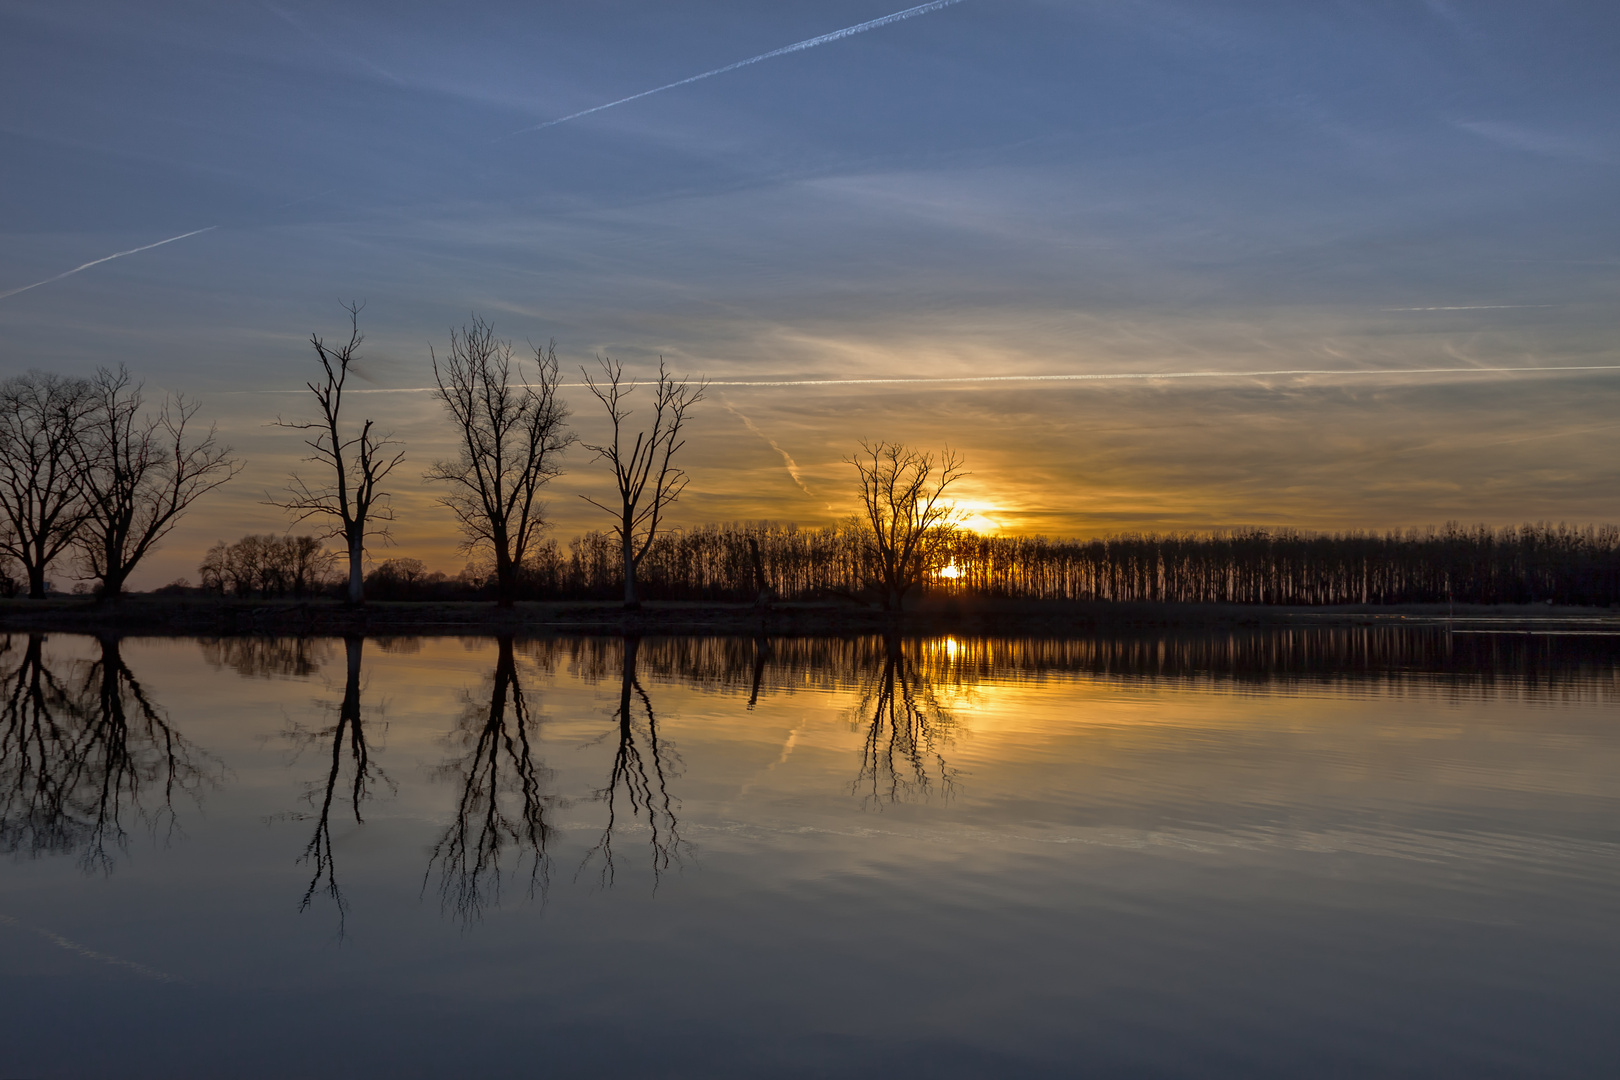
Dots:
(501, 809)
(512, 434)
(347, 498)
(139, 473)
(906, 522)
(42, 417)
(643, 765)
(643, 470)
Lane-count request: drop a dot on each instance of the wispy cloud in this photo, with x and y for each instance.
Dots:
(1533, 141)
(105, 258)
(799, 46)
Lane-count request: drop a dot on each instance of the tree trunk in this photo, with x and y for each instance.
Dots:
(631, 600)
(505, 578)
(627, 683)
(357, 580)
(353, 644)
(36, 582)
(112, 586)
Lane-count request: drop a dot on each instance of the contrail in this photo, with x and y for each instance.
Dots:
(808, 43)
(105, 258)
(787, 459)
(1102, 377)
(1471, 307)
(88, 953)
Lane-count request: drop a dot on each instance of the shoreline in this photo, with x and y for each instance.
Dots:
(167, 617)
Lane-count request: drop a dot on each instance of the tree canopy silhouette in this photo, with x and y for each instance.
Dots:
(346, 497)
(510, 437)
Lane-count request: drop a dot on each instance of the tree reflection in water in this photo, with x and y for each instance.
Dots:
(642, 768)
(349, 732)
(81, 753)
(501, 804)
(905, 728)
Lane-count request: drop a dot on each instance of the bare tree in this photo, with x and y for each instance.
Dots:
(501, 808)
(901, 755)
(363, 775)
(41, 490)
(907, 522)
(348, 500)
(511, 435)
(642, 768)
(647, 481)
(139, 473)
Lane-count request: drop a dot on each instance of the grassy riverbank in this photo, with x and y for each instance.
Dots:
(149, 615)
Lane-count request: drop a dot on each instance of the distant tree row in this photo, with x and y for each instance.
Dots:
(1479, 565)
(741, 561)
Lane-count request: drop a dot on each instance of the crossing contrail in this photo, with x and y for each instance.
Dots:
(788, 463)
(105, 258)
(1113, 376)
(808, 43)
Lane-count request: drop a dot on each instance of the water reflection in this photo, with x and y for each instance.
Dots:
(642, 769)
(1391, 656)
(905, 729)
(269, 657)
(83, 752)
(363, 777)
(501, 803)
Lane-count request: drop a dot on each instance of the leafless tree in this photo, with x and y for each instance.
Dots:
(139, 473)
(512, 434)
(905, 519)
(646, 479)
(82, 758)
(41, 490)
(363, 775)
(502, 803)
(905, 727)
(642, 768)
(347, 499)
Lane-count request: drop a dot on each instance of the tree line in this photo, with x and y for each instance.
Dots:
(86, 469)
(743, 561)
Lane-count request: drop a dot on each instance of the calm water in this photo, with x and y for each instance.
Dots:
(1288, 853)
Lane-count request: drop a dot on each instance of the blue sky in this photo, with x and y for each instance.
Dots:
(994, 188)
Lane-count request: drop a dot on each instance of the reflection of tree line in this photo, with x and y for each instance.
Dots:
(85, 752)
(83, 749)
(1535, 664)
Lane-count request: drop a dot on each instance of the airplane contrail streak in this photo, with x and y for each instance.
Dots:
(105, 258)
(788, 463)
(1116, 376)
(808, 43)
(1471, 307)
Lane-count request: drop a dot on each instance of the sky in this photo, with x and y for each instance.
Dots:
(1170, 265)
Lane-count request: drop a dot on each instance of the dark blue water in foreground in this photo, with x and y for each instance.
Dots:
(1326, 853)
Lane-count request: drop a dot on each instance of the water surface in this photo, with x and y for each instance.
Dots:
(1306, 852)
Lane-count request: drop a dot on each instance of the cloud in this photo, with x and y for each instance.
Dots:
(1532, 141)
